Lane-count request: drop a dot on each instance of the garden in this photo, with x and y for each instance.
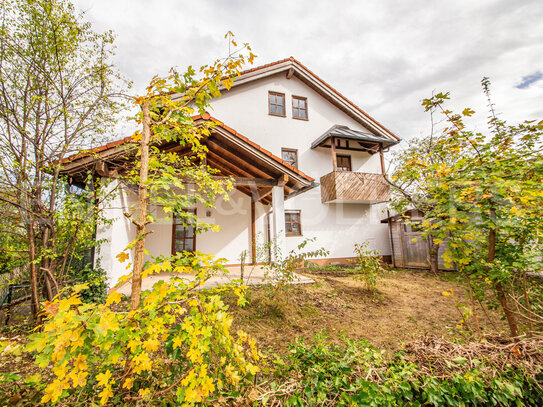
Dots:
(361, 334)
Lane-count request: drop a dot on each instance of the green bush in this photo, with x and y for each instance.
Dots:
(356, 374)
(96, 281)
(369, 266)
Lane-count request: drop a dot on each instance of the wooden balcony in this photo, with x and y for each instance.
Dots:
(355, 187)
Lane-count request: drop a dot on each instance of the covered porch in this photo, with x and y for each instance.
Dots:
(253, 215)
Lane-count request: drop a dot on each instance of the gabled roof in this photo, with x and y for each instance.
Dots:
(291, 66)
(347, 133)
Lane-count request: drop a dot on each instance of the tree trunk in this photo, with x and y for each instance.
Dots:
(35, 303)
(141, 222)
(434, 258)
(500, 292)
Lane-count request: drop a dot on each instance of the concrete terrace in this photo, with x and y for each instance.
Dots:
(253, 275)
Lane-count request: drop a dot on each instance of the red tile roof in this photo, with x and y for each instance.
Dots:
(205, 116)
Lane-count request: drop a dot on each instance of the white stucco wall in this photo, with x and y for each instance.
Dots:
(233, 217)
(336, 226)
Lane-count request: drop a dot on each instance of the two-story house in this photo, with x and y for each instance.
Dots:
(306, 161)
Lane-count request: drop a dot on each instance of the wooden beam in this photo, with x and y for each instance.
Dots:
(101, 169)
(247, 181)
(261, 194)
(235, 159)
(253, 233)
(290, 73)
(216, 160)
(382, 156)
(334, 155)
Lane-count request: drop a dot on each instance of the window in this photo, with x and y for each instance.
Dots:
(183, 236)
(414, 227)
(299, 107)
(290, 156)
(293, 226)
(344, 163)
(276, 103)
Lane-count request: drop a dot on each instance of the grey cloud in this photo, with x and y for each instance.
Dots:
(384, 56)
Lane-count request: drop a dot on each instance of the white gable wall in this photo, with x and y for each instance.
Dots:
(335, 226)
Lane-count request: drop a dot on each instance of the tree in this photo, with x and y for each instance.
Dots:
(484, 193)
(409, 179)
(162, 177)
(174, 346)
(58, 95)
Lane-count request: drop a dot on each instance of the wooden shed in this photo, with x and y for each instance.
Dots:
(409, 248)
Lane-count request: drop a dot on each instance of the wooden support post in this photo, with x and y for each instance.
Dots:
(334, 156)
(382, 156)
(253, 233)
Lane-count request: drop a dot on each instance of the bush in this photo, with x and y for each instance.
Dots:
(369, 266)
(95, 279)
(176, 349)
(354, 373)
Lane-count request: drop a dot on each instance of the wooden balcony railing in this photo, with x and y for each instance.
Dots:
(347, 186)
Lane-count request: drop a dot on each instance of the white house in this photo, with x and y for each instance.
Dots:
(307, 162)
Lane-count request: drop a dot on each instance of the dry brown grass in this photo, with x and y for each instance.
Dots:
(408, 304)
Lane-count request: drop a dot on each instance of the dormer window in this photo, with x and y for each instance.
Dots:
(299, 107)
(276, 104)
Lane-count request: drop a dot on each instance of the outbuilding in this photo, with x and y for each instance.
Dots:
(409, 248)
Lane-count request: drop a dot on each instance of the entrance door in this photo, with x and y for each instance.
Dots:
(184, 238)
(415, 252)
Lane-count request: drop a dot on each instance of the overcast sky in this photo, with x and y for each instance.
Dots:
(385, 56)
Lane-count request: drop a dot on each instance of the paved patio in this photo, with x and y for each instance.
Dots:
(253, 275)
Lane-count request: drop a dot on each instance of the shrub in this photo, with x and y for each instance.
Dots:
(369, 266)
(353, 373)
(95, 279)
(176, 349)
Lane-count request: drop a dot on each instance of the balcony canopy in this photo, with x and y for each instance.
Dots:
(348, 139)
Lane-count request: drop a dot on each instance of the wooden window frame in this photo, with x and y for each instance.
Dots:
(290, 150)
(299, 213)
(174, 223)
(350, 162)
(306, 108)
(284, 104)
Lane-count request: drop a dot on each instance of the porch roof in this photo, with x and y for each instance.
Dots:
(255, 170)
(364, 140)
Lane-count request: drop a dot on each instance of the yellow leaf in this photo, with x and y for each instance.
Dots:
(123, 256)
(114, 297)
(103, 378)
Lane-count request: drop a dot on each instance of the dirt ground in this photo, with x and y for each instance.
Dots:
(407, 304)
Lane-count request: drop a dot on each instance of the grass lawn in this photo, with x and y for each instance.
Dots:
(408, 303)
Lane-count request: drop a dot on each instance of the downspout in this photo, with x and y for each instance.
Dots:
(391, 239)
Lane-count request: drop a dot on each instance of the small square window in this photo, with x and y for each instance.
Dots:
(299, 107)
(276, 104)
(293, 224)
(290, 156)
(344, 163)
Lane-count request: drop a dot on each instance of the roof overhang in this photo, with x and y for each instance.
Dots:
(359, 140)
(291, 67)
(232, 154)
